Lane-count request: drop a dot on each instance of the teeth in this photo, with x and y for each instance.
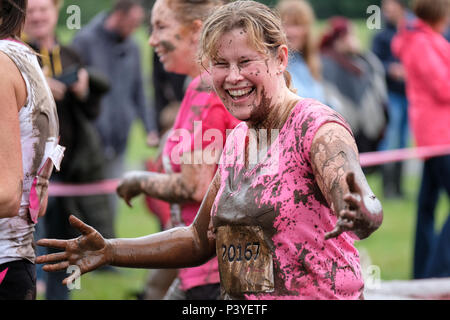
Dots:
(239, 93)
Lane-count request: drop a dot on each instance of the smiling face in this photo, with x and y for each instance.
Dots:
(41, 19)
(248, 82)
(174, 43)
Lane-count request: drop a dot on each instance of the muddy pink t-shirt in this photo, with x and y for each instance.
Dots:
(201, 124)
(271, 218)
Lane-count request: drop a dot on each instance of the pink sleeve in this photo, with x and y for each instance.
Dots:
(309, 122)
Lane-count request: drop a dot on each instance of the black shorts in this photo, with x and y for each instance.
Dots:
(19, 282)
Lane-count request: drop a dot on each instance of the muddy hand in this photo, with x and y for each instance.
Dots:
(362, 215)
(88, 252)
(130, 186)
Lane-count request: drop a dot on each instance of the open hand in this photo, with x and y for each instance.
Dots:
(89, 251)
(363, 213)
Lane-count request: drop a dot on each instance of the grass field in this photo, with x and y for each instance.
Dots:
(390, 248)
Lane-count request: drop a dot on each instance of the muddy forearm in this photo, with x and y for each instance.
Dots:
(334, 154)
(175, 248)
(167, 187)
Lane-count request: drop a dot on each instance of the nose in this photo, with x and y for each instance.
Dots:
(234, 74)
(152, 40)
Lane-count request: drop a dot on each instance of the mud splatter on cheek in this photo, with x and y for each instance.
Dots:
(168, 46)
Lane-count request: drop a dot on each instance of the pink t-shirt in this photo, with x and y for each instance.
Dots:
(279, 195)
(201, 123)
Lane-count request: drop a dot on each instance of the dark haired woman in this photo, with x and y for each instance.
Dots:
(29, 148)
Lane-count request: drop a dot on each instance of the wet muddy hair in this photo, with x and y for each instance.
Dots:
(12, 17)
(262, 25)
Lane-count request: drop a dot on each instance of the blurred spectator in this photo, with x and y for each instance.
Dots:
(425, 54)
(396, 137)
(106, 43)
(77, 95)
(304, 63)
(359, 77)
(168, 89)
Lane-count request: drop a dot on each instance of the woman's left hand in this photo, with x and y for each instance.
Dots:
(362, 215)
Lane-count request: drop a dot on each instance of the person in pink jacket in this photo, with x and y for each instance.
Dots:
(425, 54)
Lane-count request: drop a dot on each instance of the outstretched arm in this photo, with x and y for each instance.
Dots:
(189, 185)
(336, 167)
(175, 248)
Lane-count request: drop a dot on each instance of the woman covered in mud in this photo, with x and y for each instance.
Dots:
(29, 148)
(282, 216)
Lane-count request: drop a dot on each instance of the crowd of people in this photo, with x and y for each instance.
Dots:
(269, 202)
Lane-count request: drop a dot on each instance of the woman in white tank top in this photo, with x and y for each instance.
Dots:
(28, 150)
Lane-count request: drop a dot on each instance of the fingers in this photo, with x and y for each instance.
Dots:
(353, 201)
(52, 243)
(347, 215)
(128, 202)
(351, 182)
(342, 225)
(70, 279)
(50, 258)
(333, 234)
(56, 267)
(80, 225)
(124, 196)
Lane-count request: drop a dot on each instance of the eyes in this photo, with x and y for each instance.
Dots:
(158, 26)
(224, 64)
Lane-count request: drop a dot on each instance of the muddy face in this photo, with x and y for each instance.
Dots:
(245, 79)
(174, 43)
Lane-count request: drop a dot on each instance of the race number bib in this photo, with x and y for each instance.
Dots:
(245, 260)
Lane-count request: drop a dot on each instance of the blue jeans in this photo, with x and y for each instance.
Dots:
(431, 250)
(397, 131)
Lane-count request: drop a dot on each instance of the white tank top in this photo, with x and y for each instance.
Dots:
(39, 133)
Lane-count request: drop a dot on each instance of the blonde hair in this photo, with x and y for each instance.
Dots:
(262, 25)
(300, 13)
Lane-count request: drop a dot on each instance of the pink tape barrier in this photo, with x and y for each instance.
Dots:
(89, 189)
(366, 159)
(380, 157)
